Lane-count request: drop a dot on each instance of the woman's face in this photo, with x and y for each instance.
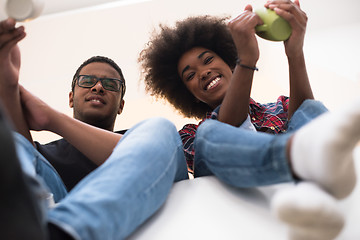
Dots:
(205, 74)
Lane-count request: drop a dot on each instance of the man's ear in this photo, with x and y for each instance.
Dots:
(71, 99)
(121, 107)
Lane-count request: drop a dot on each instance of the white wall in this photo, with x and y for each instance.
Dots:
(58, 43)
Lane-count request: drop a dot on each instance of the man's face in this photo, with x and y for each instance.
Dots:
(96, 105)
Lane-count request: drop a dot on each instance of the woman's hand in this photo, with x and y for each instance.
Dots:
(242, 29)
(297, 19)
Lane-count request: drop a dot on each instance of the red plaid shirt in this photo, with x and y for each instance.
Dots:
(269, 117)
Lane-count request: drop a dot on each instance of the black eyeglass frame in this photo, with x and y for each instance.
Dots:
(121, 86)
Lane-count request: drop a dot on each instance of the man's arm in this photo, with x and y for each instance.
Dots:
(25, 110)
(95, 143)
(9, 75)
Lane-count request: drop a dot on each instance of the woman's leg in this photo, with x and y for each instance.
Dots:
(308, 110)
(309, 212)
(240, 157)
(320, 152)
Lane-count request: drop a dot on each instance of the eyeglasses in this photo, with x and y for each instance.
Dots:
(111, 84)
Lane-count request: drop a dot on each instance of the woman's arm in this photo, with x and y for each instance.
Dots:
(235, 106)
(300, 88)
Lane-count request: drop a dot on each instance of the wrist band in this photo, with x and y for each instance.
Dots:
(238, 62)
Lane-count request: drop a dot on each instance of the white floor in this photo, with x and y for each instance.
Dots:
(205, 208)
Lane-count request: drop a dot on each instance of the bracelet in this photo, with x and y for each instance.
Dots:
(238, 62)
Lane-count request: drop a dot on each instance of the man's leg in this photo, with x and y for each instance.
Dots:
(23, 191)
(112, 201)
(21, 216)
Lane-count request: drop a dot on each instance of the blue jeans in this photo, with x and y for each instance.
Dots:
(243, 158)
(113, 200)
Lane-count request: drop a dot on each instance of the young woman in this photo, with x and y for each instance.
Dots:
(204, 67)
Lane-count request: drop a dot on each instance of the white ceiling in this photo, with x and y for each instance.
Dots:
(61, 6)
(56, 6)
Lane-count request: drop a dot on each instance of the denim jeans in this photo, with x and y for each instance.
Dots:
(244, 158)
(34, 164)
(113, 200)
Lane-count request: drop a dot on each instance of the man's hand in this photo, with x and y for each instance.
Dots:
(9, 52)
(36, 112)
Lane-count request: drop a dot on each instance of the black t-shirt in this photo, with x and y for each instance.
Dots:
(69, 162)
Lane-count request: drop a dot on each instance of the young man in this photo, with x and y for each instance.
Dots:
(97, 97)
(132, 182)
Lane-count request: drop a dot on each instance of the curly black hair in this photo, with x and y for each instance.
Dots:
(160, 58)
(100, 59)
